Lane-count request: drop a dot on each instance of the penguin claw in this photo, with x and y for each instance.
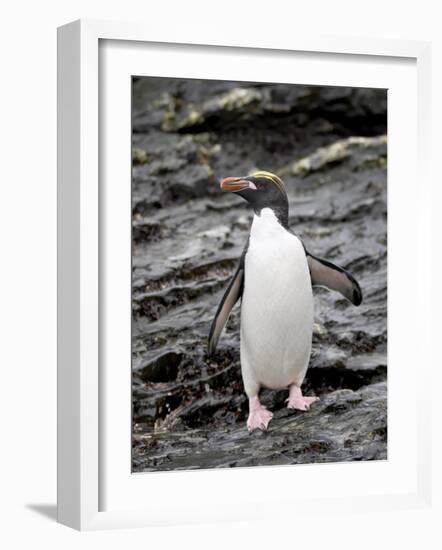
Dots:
(259, 419)
(302, 404)
(298, 401)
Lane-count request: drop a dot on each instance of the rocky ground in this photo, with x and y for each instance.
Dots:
(330, 147)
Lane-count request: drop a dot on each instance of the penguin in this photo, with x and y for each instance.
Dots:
(274, 280)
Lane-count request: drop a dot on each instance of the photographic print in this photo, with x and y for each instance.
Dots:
(259, 274)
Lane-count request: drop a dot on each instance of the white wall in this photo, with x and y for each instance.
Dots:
(28, 262)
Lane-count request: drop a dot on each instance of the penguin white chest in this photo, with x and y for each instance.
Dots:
(276, 308)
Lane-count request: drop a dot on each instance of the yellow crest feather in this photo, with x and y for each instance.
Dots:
(272, 177)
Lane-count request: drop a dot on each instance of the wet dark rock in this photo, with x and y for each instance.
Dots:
(163, 369)
(138, 156)
(176, 169)
(372, 153)
(343, 425)
(189, 411)
(143, 230)
(181, 107)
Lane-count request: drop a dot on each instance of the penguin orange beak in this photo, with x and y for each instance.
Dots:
(236, 184)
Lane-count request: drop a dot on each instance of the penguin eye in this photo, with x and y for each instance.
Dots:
(267, 185)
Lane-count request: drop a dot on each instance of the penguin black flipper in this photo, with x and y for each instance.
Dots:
(232, 294)
(324, 273)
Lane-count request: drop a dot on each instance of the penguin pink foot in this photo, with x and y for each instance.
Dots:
(298, 401)
(259, 416)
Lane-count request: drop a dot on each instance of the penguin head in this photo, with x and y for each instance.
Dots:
(260, 190)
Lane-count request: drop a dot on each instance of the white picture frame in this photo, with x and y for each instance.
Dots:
(81, 471)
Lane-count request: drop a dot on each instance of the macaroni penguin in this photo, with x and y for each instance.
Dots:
(274, 279)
